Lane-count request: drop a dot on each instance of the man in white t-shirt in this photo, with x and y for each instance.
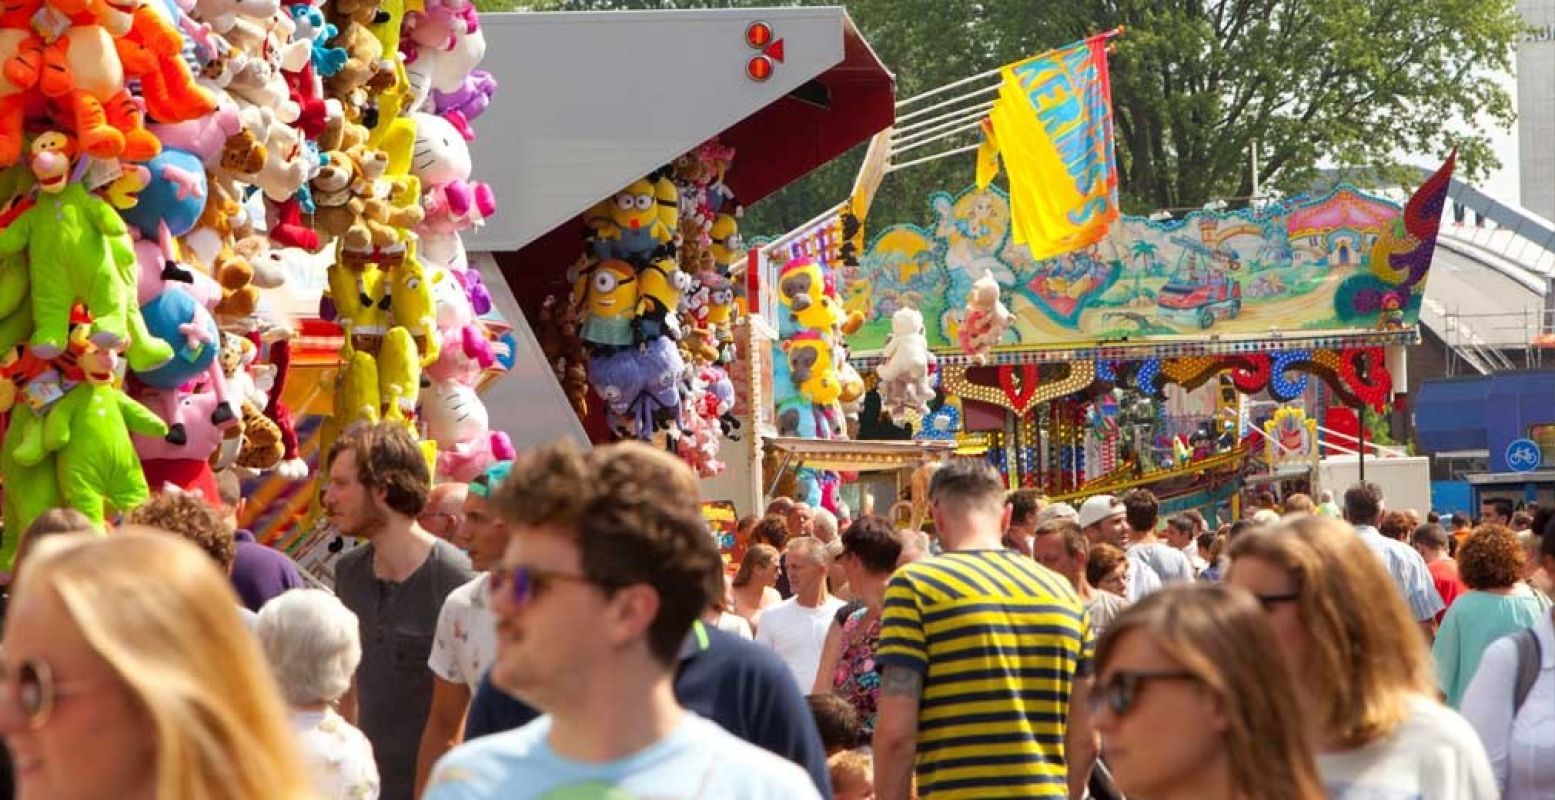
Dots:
(607, 567)
(796, 628)
(465, 644)
(1143, 513)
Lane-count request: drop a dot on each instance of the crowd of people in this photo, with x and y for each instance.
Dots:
(565, 626)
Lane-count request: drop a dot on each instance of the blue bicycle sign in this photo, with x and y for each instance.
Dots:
(1523, 455)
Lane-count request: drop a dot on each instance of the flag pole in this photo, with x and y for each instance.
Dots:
(1105, 35)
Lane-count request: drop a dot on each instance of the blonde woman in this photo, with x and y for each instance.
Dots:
(128, 674)
(1364, 677)
(1204, 653)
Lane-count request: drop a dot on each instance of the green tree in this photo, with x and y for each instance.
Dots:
(1195, 83)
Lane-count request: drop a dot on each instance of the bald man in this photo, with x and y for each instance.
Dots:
(443, 516)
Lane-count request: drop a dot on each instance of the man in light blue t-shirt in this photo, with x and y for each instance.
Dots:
(608, 565)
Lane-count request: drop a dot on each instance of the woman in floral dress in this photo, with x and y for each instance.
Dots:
(870, 550)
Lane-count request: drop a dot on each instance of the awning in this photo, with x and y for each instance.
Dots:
(1493, 478)
(858, 456)
(1450, 414)
(590, 101)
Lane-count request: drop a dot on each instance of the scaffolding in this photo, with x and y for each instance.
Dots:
(1501, 342)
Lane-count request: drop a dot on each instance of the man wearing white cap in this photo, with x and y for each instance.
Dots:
(1057, 511)
(1103, 519)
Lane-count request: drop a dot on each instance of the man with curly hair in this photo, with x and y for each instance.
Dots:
(189, 516)
(377, 484)
(192, 518)
(608, 567)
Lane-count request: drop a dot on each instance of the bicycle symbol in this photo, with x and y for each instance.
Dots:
(1523, 456)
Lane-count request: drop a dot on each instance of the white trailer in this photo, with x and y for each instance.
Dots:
(1405, 480)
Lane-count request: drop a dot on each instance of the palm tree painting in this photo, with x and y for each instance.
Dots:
(1144, 257)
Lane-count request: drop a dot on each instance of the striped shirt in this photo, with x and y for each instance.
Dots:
(999, 640)
(1407, 568)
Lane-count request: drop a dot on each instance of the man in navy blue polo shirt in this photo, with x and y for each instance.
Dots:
(258, 572)
(739, 684)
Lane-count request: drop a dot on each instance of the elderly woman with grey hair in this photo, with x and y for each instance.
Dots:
(312, 643)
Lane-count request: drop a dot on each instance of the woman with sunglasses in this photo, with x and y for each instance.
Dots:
(1202, 653)
(128, 674)
(1363, 672)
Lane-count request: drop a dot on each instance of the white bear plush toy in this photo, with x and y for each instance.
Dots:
(905, 385)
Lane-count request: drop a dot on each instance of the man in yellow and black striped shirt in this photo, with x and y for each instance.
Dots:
(985, 659)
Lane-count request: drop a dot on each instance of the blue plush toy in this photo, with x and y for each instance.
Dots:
(311, 25)
(174, 317)
(176, 194)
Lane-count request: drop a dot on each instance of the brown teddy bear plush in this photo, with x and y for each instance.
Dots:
(337, 208)
(243, 154)
(360, 12)
(239, 296)
(364, 62)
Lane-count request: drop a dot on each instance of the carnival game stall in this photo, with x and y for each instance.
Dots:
(171, 171)
(619, 264)
(1082, 350)
(650, 207)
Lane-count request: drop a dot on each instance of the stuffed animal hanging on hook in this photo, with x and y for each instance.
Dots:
(985, 321)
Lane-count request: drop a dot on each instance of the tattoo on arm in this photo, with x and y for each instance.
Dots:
(899, 681)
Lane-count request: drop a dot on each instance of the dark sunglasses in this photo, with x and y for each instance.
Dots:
(1122, 690)
(524, 584)
(31, 688)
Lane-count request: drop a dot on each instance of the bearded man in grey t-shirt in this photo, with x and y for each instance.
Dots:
(377, 484)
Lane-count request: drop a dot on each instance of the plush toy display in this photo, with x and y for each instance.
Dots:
(186, 152)
(648, 325)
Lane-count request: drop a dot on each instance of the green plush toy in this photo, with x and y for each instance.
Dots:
(15, 311)
(77, 246)
(88, 430)
(31, 487)
(29, 491)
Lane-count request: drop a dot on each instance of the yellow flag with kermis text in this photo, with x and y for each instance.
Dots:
(1053, 129)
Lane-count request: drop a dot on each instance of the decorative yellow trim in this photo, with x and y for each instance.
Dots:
(1081, 375)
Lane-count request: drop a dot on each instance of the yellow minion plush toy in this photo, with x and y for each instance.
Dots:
(610, 303)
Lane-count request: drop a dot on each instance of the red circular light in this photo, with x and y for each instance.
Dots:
(758, 34)
(759, 68)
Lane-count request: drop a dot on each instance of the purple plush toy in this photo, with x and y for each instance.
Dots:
(468, 101)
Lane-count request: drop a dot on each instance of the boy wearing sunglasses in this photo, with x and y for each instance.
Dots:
(605, 571)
